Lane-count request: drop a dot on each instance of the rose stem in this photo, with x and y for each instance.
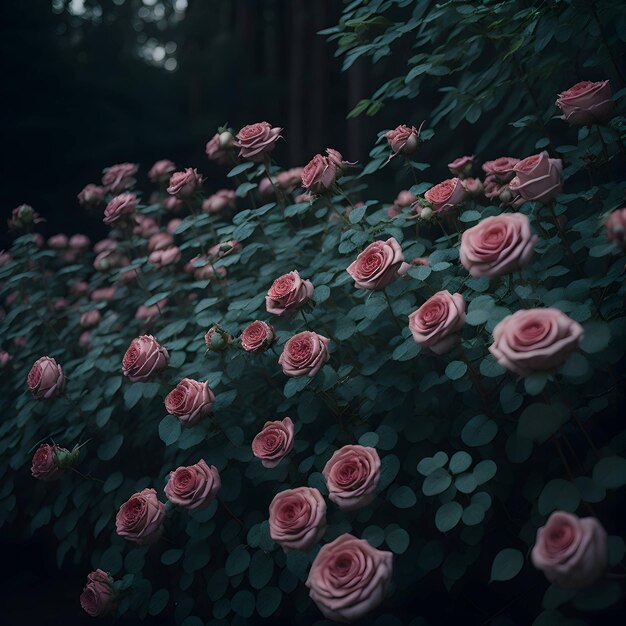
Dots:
(605, 150)
(306, 321)
(277, 193)
(87, 476)
(222, 503)
(393, 315)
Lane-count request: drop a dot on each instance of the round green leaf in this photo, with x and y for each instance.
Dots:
(448, 516)
(479, 431)
(558, 494)
(398, 540)
(111, 560)
(474, 514)
(158, 601)
(169, 557)
(237, 561)
(403, 497)
(507, 564)
(460, 461)
(268, 601)
(108, 449)
(242, 603)
(261, 569)
(368, 439)
(610, 472)
(437, 482)
(456, 370)
(485, 471)
(169, 429)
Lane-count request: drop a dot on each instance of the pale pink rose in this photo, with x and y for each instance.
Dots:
(148, 313)
(217, 339)
(141, 518)
(304, 354)
(163, 258)
(220, 250)
(144, 357)
(110, 260)
(497, 191)
(446, 195)
(288, 293)
(256, 141)
(349, 578)
(84, 341)
(193, 487)
(405, 198)
(587, 103)
(501, 168)
(161, 171)
(173, 204)
(120, 177)
(23, 218)
(535, 339)
(45, 379)
(58, 242)
(103, 294)
(184, 184)
(289, 179)
(572, 552)
(436, 324)
(190, 401)
(104, 244)
(89, 319)
(462, 166)
(45, 465)
(380, 264)
(297, 518)
(5, 357)
(98, 597)
(219, 150)
(497, 245)
(79, 242)
(266, 188)
(172, 225)
(319, 174)
(338, 161)
(5, 257)
(121, 206)
(538, 177)
(473, 186)
(352, 475)
(220, 201)
(91, 195)
(145, 226)
(616, 228)
(403, 139)
(257, 337)
(274, 442)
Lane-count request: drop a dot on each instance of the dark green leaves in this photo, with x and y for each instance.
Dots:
(507, 564)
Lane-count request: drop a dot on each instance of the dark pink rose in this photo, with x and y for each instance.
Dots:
(257, 337)
(121, 206)
(587, 103)
(572, 552)
(274, 442)
(104, 294)
(120, 177)
(184, 184)
(217, 339)
(319, 174)
(219, 148)
(462, 166)
(23, 218)
(79, 242)
(220, 201)
(60, 303)
(163, 258)
(45, 465)
(140, 519)
(381, 263)
(538, 177)
(535, 339)
(161, 171)
(352, 475)
(297, 518)
(266, 188)
(89, 319)
(289, 179)
(497, 245)
(203, 269)
(436, 324)
(446, 195)
(91, 195)
(193, 487)
(172, 225)
(403, 139)
(420, 260)
(98, 597)
(349, 578)
(190, 401)
(256, 141)
(616, 228)
(173, 204)
(288, 293)
(144, 357)
(58, 242)
(303, 198)
(304, 354)
(45, 379)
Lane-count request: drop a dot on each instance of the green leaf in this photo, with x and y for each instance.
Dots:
(558, 494)
(479, 431)
(535, 383)
(321, 294)
(539, 421)
(485, 471)
(456, 370)
(261, 569)
(295, 385)
(398, 540)
(598, 597)
(356, 214)
(596, 338)
(156, 298)
(610, 472)
(473, 515)
(237, 561)
(460, 461)
(169, 557)
(268, 600)
(158, 601)
(108, 449)
(132, 395)
(111, 560)
(506, 565)
(169, 429)
(436, 482)
(238, 169)
(466, 483)
(406, 350)
(448, 516)
(368, 440)
(403, 497)
(242, 603)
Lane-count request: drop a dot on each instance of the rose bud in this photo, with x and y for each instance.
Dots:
(266, 187)
(140, 519)
(337, 159)
(289, 179)
(104, 294)
(220, 250)
(120, 177)
(538, 177)
(220, 201)
(349, 578)
(58, 242)
(274, 442)
(184, 184)
(60, 303)
(144, 357)
(616, 228)
(173, 204)
(109, 260)
(392, 211)
(304, 354)
(446, 195)
(24, 217)
(79, 242)
(121, 206)
(403, 139)
(217, 339)
(45, 466)
(288, 293)
(587, 103)
(172, 225)
(98, 598)
(162, 258)
(160, 172)
(145, 226)
(91, 195)
(497, 245)
(189, 401)
(256, 141)
(218, 151)
(473, 186)
(84, 341)
(462, 166)
(572, 552)
(352, 475)
(89, 319)
(257, 337)
(104, 245)
(193, 487)
(148, 313)
(535, 339)
(45, 379)
(436, 324)
(160, 241)
(319, 174)
(405, 198)
(501, 169)
(297, 518)
(5, 357)
(380, 264)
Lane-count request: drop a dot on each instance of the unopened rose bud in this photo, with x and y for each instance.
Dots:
(217, 339)
(226, 140)
(64, 458)
(426, 213)
(505, 195)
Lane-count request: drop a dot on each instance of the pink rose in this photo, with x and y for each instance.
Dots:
(538, 177)
(173, 204)
(5, 357)
(79, 288)
(60, 303)
(288, 293)
(79, 242)
(217, 339)
(140, 519)
(289, 179)
(184, 184)
(162, 258)
(572, 552)
(90, 318)
(349, 578)
(84, 341)
(220, 201)
(501, 168)
(497, 245)
(256, 141)
(473, 186)
(403, 139)
(446, 195)
(58, 242)
(109, 260)
(218, 150)
(104, 245)
(304, 354)
(352, 475)
(257, 337)
(148, 313)
(274, 442)
(120, 177)
(297, 518)
(98, 596)
(104, 294)
(303, 198)
(535, 339)
(160, 241)
(616, 228)
(193, 487)
(405, 198)
(336, 158)
(91, 195)
(587, 103)
(24, 217)
(436, 324)
(172, 225)
(144, 357)
(45, 466)
(420, 260)
(119, 207)
(45, 379)
(203, 269)
(381, 263)
(190, 401)
(462, 166)
(319, 174)
(220, 250)
(266, 188)
(161, 171)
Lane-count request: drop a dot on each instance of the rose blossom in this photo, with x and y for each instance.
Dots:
(46, 378)
(193, 487)
(144, 357)
(587, 103)
(381, 263)
(104, 245)
(79, 242)
(119, 207)
(119, 177)
(572, 552)
(497, 245)
(5, 357)
(257, 337)
(140, 518)
(172, 203)
(616, 228)
(217, 150)
(462, 166)
(289, 179)
(24, 217)
(45, 466)
(60, 303)
(161, 171)
(160, 241)
(255, 141)
(337, 159)
(420, 260)
(403, 139)
(147, 313)
(352, 475)
(189, 401)
(89, 319)
(538, 177)
(535, 339)
(162, 258)
(203, 269)
(297, 518)
(436, 324)
(473, 186)
(109, 260)
(501, 168)
(91, 194)
(349, 578)
(217, 339)
(303, 198)
(172, 225)
(304, 354)
(224, 248)
(220, 201)
(58, 242)
(184, 184)
(274, 442)
(266, 187)
(319, 174)
(84, 341)
(405, 198)
(288, 293)
(103, 294)
(98, 596)
(446, 195)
